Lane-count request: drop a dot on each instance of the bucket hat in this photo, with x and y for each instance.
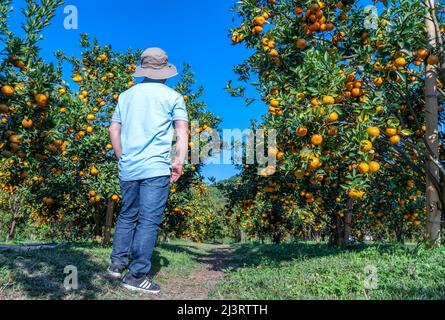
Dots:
(155, 65)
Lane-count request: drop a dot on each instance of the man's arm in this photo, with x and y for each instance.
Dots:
(182, 143)
(115, 135)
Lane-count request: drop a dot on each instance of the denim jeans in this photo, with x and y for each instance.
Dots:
(143, 206)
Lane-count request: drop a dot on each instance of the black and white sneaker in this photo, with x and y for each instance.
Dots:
(144, 284)
(115, 272)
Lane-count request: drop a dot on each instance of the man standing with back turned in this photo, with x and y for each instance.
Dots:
(142, 131)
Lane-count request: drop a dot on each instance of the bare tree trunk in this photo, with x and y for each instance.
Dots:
(12, 226)
(14, 206)
(339, 239)
(97, 221)
(108, 222)
(432, 134)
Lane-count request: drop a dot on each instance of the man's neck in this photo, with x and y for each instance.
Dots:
(148, 80)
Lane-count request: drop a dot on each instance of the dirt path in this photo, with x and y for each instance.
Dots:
(201, 282)
(37, 272)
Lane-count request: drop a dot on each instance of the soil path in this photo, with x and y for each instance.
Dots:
(199, 284)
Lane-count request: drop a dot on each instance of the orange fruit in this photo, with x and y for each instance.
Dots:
(298, 10)
(301, 43)
(259, 21)
(302, 132)
(258, 29)
(358, 84)
(48, 201)
(15, 139)
(317, 139)
(273, 53)
(373, 132)
(356, 194)
(363, 168)
(27, 123)
(391, 131)
(422, 53)
(315, 163)
(328, 100)
(4, 108)
(115, 197)
(374, 166)
(58, 143)
(378, 81)
(333, 116)
(432, 60)
(7, 90)
(400, 62)
(275, 103)
(41, 100)
(395, 139)
(91, 117)
(77, 78)
(94, 171)
(92, 193)
(356, 92)
(109, 146)
(366, 146)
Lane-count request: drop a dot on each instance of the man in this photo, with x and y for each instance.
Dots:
(142, 131)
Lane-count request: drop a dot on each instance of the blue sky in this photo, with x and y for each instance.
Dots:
(190, 31)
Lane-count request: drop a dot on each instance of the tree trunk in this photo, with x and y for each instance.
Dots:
(97, 221)
(432, 135)
(339, 227)
(108, 222)
(14, 206)
(11, 231)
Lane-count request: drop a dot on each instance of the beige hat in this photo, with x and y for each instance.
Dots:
(155, 65)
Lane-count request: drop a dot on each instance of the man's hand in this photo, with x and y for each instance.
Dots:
(181, 129)
(176, 173)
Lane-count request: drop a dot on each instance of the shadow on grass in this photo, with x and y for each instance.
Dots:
(40, 274)
(254, 254)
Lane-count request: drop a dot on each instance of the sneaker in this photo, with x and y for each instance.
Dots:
(115, 272)
(144, 284)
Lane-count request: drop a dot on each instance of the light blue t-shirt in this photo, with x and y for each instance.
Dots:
(147, 113)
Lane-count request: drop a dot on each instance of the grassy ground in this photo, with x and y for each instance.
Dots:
(244, 271)
(315, 271)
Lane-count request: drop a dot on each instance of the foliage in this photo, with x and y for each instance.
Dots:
(346, 99)
(56, 153)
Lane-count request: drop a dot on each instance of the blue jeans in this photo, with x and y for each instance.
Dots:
(143, 206)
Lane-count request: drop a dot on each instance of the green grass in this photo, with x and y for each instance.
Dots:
(39, 274)
(241, 271)
(315, 271)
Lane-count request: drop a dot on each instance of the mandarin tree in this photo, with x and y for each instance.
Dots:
(344, 90)
(28, 104)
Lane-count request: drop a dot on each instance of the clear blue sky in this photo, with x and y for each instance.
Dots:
(190, 31)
